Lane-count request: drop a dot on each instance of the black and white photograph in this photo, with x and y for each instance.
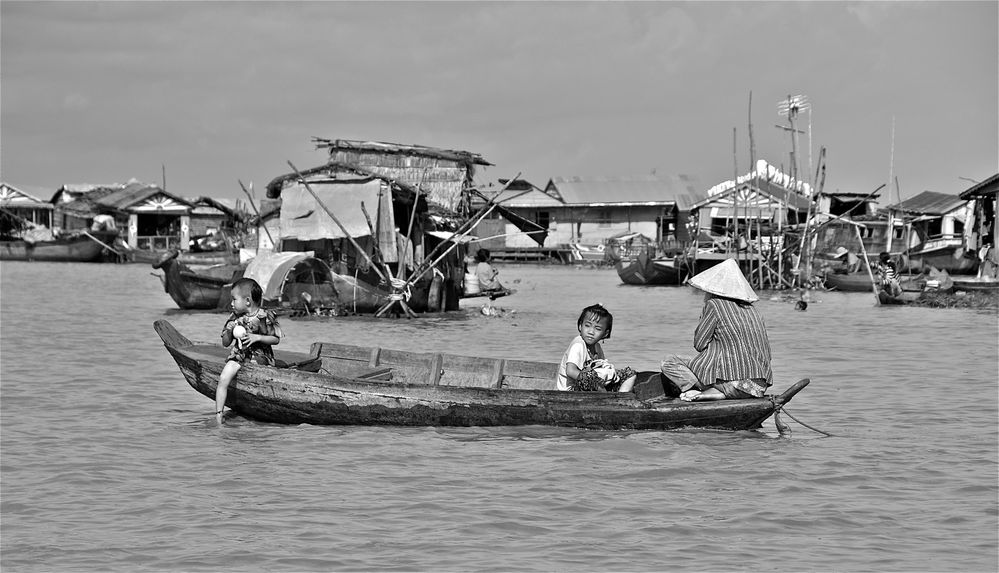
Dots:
(499, 286)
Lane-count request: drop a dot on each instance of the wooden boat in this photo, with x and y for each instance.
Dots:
(287, 280)
(648, 270)
(84, 247)
(976, 284)
(851, 282)
(861, 282)
(906, 297)
(943, 253)
(204, 289)
(343, 384)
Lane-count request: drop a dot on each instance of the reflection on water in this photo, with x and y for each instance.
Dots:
(111, 461)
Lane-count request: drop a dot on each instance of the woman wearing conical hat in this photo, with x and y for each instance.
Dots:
(734, 359)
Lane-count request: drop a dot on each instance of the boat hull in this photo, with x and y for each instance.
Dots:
(976, 284)
(79, 249)
(647, 271)
(206, 289)
(357, 393)
(945, 257)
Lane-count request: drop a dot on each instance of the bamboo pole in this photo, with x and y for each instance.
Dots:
(867, 263)
(409, 231)
(337, 221)
(466, 227)
(102, 243)
(259, 220)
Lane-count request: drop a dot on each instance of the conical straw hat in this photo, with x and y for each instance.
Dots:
(725, 279)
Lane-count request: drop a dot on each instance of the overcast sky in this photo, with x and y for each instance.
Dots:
(102, 92)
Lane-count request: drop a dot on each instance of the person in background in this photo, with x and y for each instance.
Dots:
(888, 274)
(485, 272)
(254, 330)
(734, 359)
(583, 365)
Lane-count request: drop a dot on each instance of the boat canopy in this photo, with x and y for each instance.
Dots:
(273, 271)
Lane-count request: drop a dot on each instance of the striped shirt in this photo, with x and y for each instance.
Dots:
(887, 272)
(732, 340)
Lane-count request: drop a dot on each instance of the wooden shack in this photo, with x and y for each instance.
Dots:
(983, 230)
(374, 207)
(934, 236)
(17, 208)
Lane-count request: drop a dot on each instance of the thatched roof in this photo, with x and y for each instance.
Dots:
(383, 148)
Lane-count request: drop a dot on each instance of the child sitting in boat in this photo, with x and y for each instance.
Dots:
(485, 272)
(583, 365)
(254, 331)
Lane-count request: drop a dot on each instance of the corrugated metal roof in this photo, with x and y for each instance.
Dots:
(680, 190)
(929, 203)
(10, 195)
(757, 191)
(988, 187)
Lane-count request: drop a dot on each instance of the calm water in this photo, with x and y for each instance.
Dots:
(110, 461)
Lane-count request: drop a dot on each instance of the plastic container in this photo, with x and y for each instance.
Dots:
(472, 284)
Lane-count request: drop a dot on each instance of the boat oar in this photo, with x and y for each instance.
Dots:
(259, 220)
(867, 263)
(338, 223)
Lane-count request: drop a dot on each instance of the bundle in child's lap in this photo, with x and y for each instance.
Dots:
(600, 376)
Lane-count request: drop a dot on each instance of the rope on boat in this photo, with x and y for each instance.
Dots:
(400, 290)
(804, 424)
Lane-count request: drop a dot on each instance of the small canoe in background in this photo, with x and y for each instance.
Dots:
(357, 385)
(83, 247)
(650, 271)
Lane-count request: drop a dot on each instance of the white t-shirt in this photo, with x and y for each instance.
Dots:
(576, 354)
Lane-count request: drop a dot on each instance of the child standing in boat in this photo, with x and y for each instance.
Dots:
(253, 330)
(583, 365)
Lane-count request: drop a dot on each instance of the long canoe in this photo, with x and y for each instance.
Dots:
(88, 247)
(356, 385)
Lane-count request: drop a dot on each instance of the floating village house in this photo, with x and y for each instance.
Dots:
(763, 201)
(17, 208)
(573, 211)
(155, 220)
(983, 230)
(935, 234)
(381, 203)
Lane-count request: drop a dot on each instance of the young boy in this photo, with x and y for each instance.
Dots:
(253, 329)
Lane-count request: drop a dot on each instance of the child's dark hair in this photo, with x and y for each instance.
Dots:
(482, 255)
(250, 286)
(599, 312)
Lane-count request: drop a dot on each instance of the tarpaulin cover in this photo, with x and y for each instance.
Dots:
(271, 269)
(304, 219)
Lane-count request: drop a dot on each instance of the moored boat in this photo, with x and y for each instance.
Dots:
(648, 270)
(356, 385)
(203, 289)
(287, 279)
(976, 284)
(82, 247)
